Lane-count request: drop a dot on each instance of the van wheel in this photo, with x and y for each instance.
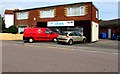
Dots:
(84, 41)
(55, 40)
(70, 42)
(31, 40)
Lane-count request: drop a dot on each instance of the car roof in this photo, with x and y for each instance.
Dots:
(69, 31)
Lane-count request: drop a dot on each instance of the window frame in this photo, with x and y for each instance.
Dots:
(42, 12)
(48, 31)
(20, 15)
(77, 34)
(70, 11)
(72, 33)
(97, 15)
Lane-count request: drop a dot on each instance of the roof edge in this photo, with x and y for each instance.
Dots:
(52, 6)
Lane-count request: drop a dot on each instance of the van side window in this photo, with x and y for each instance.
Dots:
(47, 31)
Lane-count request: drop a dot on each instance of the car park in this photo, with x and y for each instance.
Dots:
(39, 34)
(70, 37)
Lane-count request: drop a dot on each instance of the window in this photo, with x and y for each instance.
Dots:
(47, 13)
(22, 15)
(77, 34)
(82, 10)
(48, 32)
(76, 11)
(21, 29)
(72, 34)
(97, 14)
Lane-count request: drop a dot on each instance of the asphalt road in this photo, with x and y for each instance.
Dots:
(51, 57)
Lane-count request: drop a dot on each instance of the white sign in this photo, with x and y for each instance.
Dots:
(60, 23)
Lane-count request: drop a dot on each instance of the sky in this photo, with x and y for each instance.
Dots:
(108, 9)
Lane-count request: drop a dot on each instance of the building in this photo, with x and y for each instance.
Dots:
(9, 18)
(82, 17)
(1, 22)
(110, 27)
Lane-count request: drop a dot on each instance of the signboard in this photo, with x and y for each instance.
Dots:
(60, 23)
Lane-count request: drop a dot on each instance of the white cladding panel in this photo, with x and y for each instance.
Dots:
(60, 23)
(109, 33)
(95, 31)
(9, 20)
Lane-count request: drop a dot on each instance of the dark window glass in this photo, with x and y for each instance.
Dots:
(77, 34)
(72, 34)
(47, 32)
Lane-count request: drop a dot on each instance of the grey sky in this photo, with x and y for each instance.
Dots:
(108, 9)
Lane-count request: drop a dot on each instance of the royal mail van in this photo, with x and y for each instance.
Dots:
(39, 34)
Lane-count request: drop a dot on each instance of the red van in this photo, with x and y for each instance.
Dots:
(39, 34)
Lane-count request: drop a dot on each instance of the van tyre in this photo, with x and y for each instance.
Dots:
(84, 41)
(70, 42)
(31, 40)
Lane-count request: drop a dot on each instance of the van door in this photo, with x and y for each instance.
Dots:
(40, 35)
(48, 34)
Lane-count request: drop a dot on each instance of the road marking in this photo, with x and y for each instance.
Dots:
(68, 48)
(83, 49)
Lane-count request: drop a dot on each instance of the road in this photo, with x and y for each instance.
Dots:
(51, 57)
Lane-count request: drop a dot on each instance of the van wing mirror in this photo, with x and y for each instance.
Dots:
(51, 32)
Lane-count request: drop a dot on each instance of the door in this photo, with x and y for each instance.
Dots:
(73, 36)
(40, 35)
(78, 36)
(48, 35)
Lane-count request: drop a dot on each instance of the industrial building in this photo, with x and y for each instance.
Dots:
(109, 27)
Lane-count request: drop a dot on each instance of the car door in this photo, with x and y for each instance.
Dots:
(78, 36)
(73, 36)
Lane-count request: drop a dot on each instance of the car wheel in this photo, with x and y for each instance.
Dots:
(70, 42)
(31, 40)
(84, 41)
(55, 40)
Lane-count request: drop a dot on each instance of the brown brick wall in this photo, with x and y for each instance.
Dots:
(33, 16)
(59, 15)
(94, 14)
